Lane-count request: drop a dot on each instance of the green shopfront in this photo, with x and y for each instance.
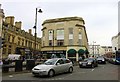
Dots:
(74, 53)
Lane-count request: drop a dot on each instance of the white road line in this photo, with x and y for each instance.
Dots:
(81, 72)
(10, 76)
(92, 69)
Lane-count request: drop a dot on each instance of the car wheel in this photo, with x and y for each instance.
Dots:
(105, 62)
(51, 73)
(70, 70)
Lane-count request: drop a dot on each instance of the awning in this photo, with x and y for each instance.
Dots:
(71, 51)
(86, 52)
(81, 51)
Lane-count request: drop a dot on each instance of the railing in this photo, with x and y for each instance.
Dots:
(18, 65)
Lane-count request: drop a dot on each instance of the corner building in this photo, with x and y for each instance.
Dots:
(64, 37)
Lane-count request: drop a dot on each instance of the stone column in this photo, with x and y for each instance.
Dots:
(66, 54)
(77, 57)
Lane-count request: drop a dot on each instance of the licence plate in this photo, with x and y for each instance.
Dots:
(84, 64)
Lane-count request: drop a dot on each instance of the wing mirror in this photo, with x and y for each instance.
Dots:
(58, 64)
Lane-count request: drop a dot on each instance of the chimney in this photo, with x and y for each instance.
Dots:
(30, 31)
(18, 24)
(9, 20)
(1, 12)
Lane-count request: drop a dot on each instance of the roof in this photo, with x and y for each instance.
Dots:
(63, 19)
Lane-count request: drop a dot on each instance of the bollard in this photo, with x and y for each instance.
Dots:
(5, 66)
(18, 65)
(30, 63)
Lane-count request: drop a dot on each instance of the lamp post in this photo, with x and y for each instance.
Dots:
(35, 27)
(93, 47)
(52, 39)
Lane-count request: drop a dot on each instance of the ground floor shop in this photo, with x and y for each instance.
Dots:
(71, 52)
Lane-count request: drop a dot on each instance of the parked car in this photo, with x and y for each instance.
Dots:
(114, 61)
(89, 62)
(52, 67)
(101, 60)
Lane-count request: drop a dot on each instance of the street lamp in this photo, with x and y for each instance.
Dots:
(52, 39)
(35, 27)
(93, 47)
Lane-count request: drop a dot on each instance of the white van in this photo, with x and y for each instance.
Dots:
(14, 56)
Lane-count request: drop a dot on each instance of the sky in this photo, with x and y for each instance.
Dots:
(100, 16)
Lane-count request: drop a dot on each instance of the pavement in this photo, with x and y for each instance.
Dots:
(12, 71)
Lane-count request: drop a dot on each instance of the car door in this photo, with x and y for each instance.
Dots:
(66, 64)
(59, 66)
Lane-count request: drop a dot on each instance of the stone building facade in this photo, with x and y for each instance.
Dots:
(18, 41)
(1, 23)
(64, 37)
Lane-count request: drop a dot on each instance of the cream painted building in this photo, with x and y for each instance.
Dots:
(105, 49)
(62, 36)
(94, 50)
(116, 42)
(1, 22)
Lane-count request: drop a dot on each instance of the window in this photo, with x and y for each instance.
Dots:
(50, 42)
(60, 61)
(4, 51)
(80, 38)
(67, 61)
(60, 42)
(13, 39)
(22, 42)
(9, 51)
(8, 38)
(80, 41)
(51, 32)
(60, 34)
(70, 41)
(18, 41)
(26, 43)
(70, 36)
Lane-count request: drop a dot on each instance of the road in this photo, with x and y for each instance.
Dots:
(102, 72)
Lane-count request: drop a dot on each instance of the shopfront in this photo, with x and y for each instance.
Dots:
(54, 54)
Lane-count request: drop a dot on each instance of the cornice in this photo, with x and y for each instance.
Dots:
(63, 19)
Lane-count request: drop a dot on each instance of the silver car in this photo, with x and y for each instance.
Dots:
(52, 67)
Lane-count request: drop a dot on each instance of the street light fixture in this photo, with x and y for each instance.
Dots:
(52, 39)
(35, 27)
(93, 46)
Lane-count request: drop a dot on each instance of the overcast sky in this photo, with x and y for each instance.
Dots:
(101, 17)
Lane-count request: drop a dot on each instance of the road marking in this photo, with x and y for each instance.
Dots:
(81, 72)
(92, 69)
(60, 78)
(10, 76)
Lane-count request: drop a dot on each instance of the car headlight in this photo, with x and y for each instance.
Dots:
(103, 60)
(89, 63)
(80, 62)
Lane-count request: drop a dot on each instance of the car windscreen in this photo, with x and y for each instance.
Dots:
(89, 60)
(100, 58)
(50, 62)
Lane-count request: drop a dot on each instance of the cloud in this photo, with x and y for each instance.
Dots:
(100, 16)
